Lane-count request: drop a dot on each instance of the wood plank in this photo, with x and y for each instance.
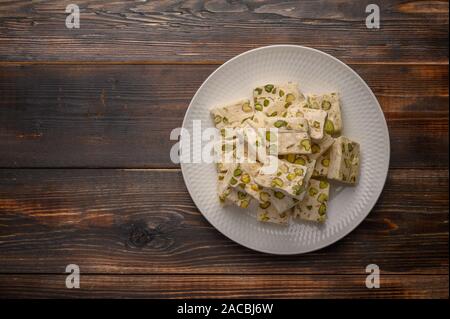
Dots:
(122, 115)
(214, 31)
(144, 221)
(223, 286)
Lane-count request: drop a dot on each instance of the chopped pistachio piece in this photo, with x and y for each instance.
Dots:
(290, 98)
(217, 119)
(291, 176)
(329, 127)
(326, 105)
(306, 144)
(246, 107)
(290, 158)
(268, 88)
(280, 123)
(344, 161)
(244, 203)
(277, 182)
(264, 205)
(279, 195)
(245, 178)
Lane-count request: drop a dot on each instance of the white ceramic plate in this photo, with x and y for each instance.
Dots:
(363, 121)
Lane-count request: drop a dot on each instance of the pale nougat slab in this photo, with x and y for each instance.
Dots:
(232, 185)
(223, 181)
(244, 175)
(291, 136)
(304, 160)
(274, 100)
(288, 178)
(294, 143)
(251, 134)
(330, 103)
(232, 115)
(315, 117)
(320, 147)
(259, 120)
(238, 197)
(344, 161)
(287, 124)
(265, 196)
(271, 215)
(275, 141)
(279, 200)
(225, 153)
(314, 206)
(316, 120)
(322, 165)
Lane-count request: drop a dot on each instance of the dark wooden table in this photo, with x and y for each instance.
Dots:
(85, 178)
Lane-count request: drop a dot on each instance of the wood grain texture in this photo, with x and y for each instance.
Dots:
(224, 286)
(122, 115)
(216, 30)
(108, 94)
(144, 221)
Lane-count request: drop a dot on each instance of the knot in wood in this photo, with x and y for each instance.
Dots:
(139, 236)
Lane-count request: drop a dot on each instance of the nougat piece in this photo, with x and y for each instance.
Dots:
(314, 206)
(330, 103)
(266, 196)
(287, 177)
(237, 197)
(320, 147)
(294, 143)
(270, 215)
(289, 136)
(225, 152)
(287, 124)
(322, 165)
(304, 160)
(279, 200)
(316, 120)
(274, 100)
(231, 186)
(315, 117)
(252, 136)
(344, 161)
(259, 120)
(232, 115)
(223, 181)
